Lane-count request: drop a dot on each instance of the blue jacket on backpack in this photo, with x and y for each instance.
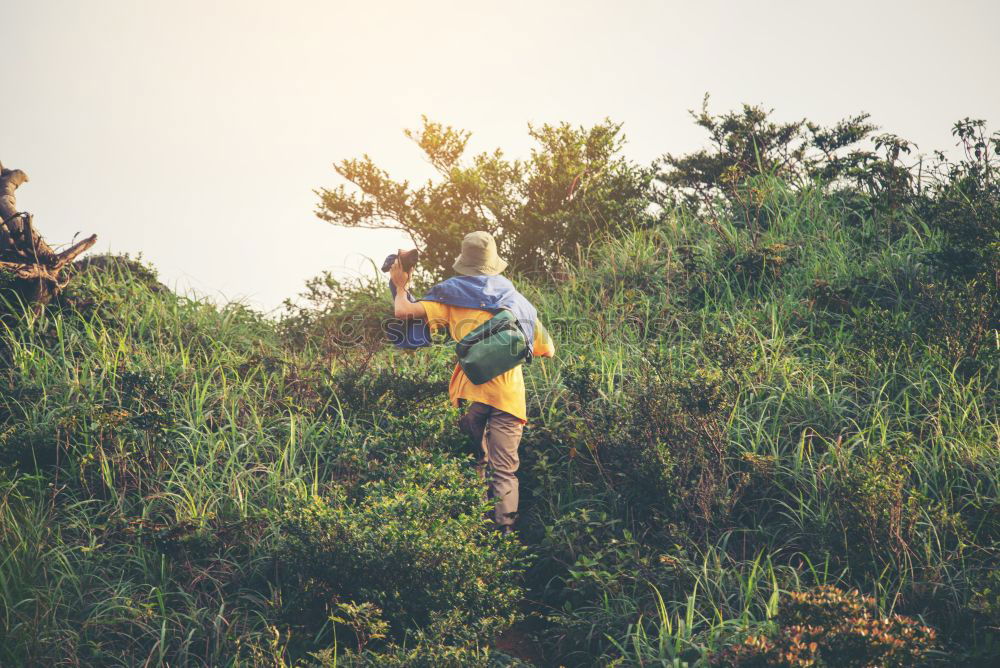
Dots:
(488, 293)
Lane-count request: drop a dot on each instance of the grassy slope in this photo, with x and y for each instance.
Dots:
(146, 436)
(860, 453)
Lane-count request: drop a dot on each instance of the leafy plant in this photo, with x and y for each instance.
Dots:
(575, 186)
(415, 545)
(826, 626)
(747, 144)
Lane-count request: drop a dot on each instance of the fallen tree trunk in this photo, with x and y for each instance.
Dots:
(32, 264)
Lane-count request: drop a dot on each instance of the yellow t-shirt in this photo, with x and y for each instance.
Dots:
(506, 391)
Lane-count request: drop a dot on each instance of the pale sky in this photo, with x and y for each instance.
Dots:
(194, 131)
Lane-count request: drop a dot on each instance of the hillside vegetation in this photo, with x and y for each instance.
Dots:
(770, 437)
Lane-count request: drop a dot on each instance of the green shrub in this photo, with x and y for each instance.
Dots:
(332, 316)
(429, 647)
(660, 445)
(415, 544)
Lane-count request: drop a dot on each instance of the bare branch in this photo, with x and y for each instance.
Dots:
(71, 253)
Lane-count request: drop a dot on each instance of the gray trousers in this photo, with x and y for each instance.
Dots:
(498, 434)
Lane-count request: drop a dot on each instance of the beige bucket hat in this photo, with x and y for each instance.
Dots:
(479, 256)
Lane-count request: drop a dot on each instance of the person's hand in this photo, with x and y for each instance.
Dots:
(396, 274)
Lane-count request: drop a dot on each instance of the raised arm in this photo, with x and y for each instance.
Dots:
(402, 306)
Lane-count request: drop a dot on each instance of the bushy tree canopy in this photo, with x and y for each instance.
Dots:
(748, 143)
(575, 185)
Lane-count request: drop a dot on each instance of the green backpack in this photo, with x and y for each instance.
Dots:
(496, 346)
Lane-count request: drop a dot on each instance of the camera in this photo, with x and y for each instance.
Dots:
(407, 258)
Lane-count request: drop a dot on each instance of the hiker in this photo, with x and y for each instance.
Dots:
(496, 412)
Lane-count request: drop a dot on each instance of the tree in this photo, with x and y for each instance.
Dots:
(575, 185)
(747, 144)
